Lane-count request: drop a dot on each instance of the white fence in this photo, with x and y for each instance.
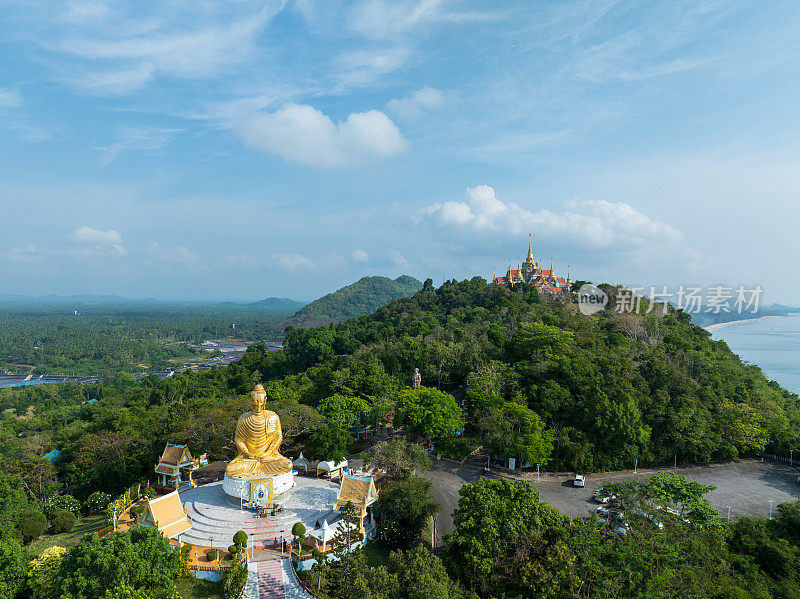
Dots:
(778, 458)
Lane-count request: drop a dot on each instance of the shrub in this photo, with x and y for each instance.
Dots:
(298, 529)
(240, 538)
(31, 525)
(150, 492)
(234, 549)
(234, 579)
(212, 554)
(43, 577)
(97, 502)
(137, 511)
(64, 502)
(62, 521)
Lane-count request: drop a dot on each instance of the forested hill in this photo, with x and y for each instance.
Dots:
(277, 304)
(603, 391)
(362, 297)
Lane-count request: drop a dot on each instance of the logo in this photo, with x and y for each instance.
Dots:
(591, 299)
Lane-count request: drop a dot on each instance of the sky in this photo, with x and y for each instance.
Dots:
(241, 150)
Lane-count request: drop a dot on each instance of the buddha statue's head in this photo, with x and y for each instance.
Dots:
(258, 397)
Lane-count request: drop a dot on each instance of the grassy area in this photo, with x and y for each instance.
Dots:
(377, 553)
(69, 539)
(195, 588)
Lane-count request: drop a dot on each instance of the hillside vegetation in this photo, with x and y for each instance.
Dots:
(362, 297)
(604, 390)
(522, 377)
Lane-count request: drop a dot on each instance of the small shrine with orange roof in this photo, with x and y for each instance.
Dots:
(531, 273)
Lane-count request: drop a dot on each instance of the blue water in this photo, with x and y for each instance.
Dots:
(772, 343)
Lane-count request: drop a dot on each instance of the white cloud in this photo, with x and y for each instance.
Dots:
(137, 138)
(360, 256)
(123, 50)
(415, 103)
(398, 259)
(364, 66)
(595, 223)
(390, 18)
(85, 12)
(113, 83)
(106, 241)
(179, 255)
(10, 98)
(302, 134)
(291, 262)
(25, 255)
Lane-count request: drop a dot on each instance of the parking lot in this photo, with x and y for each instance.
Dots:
(747, 486)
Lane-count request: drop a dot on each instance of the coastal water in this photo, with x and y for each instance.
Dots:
(772, 343)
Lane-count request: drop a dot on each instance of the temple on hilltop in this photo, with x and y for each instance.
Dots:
(532, 273)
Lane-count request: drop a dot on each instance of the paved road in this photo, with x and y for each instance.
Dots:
(745, 485)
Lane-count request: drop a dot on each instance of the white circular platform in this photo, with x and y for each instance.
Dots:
(214, 520)
(239, 487)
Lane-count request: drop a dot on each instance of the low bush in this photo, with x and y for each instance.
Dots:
(137, 511)
(64, 502)
(212, 554)
(31, 524)
(62, 521)
(234, 549)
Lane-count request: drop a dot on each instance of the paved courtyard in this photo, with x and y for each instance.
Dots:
(745, 485)
(214, 520)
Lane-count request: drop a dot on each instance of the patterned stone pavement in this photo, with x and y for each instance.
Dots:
(214, 520)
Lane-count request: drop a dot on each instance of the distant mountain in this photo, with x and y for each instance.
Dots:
(64, 299)
(277, 304)
(362, 297)
(704, 319)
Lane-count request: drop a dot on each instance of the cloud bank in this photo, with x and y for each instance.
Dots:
(595, 223)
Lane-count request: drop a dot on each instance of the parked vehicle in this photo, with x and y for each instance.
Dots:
(580, 480)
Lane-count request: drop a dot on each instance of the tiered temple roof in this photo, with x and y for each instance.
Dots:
(530, 272)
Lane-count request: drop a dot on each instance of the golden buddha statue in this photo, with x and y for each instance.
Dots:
(258, 438)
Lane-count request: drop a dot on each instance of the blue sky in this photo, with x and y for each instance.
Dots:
(209, 150)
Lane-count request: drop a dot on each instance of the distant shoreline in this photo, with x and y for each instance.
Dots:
(722, 324)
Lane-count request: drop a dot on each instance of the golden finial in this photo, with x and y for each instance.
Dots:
(529, 259)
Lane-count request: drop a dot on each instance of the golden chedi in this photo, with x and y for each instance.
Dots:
(258, 438)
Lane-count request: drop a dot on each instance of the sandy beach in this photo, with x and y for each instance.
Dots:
(724, 324)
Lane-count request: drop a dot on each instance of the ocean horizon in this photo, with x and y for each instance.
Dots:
(771, 343)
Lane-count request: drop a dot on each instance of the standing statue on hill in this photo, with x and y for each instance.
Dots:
(416, 379)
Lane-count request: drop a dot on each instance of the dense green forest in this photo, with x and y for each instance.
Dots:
(521, 376)
(102, 338)
(358, 299)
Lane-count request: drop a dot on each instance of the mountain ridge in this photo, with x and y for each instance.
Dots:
(357, 299)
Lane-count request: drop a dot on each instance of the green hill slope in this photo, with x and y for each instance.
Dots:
(609, 389)
(362, 297)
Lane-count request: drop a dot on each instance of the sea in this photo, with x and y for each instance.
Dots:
(772, 343)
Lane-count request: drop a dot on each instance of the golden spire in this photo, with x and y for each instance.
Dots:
(529, 259)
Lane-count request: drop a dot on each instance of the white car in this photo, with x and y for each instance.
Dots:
(579, 481)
